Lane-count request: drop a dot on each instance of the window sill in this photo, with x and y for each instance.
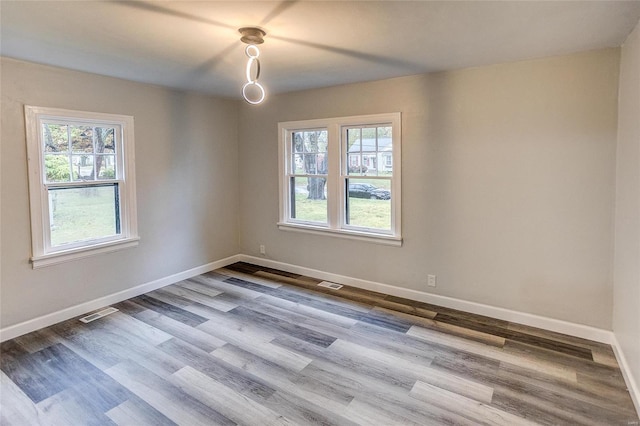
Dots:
(82, 252)
(388, 240)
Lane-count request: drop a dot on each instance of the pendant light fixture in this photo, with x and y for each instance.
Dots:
(252, 91)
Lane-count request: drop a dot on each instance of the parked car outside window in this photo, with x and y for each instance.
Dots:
(366, 190)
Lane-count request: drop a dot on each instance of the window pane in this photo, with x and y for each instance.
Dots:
(104, 138)
(297, 141)
(369, 142)
(354, 139)
(106, 166)
(322, 142)
(369, 134)
(368, 203)
(384, 132)
(385, 151)
(55, 138)
(387, 163)
(57, 168)
(298, 164)
(81, 139)
(82, 167)
(309, 199)
(315, 164)
(315, 141)
(355, 165)
(310, 141)
(85, 213)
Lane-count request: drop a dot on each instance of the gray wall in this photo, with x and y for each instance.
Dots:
(186, 158)
(626, 289)
(508, 184)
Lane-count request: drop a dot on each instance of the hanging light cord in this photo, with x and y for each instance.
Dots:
(253, 53)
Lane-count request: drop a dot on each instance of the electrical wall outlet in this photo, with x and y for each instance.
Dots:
(431, 280)
(263, 249)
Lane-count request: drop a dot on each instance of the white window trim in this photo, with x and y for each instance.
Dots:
(42, 254)
(336, 221)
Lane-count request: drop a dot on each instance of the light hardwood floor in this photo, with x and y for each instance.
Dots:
(251, 345)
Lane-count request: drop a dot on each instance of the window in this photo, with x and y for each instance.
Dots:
(81, 183)
(341, 177)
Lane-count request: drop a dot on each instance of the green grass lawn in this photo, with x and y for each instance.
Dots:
(312, 210)
(370, 213)
(82, 213)
(362, 212)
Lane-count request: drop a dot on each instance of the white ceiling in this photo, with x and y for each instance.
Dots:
(195, 45)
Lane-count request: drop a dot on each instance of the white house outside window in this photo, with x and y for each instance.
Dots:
(81, 183)
(341, 177)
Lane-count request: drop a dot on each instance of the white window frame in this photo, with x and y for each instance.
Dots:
(43, 254)
(338, 162)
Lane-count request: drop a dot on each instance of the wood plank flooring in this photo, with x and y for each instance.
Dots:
(256, 346)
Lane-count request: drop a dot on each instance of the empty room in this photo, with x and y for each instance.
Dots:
(320, 212)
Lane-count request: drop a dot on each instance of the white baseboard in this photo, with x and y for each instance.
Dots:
(559, 326)
(25, 327)
(634, 390)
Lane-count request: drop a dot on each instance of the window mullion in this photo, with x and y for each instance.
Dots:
(343, 175)
(284, 168)
(46, 219)
(333, 181)
(69, 154)
(396, 176)
(82, 183)
(121, 156)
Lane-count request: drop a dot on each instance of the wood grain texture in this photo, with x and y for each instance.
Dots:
(257, 346)
(134, 412)
(17, 407)
(164, 397)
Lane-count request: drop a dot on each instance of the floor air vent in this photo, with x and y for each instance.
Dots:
(97, 315)
(330, 285)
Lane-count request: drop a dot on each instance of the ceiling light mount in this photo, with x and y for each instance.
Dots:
(252, 35)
